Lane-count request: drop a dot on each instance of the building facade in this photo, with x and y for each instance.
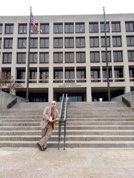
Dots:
(68, 55)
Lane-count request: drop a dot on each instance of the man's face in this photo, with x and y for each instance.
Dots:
(53, 104)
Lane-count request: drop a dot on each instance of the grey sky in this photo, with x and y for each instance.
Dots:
(65, 7)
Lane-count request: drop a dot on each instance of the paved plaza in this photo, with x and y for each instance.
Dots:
(69, 163)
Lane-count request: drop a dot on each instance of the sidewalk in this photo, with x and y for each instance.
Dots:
(69, 163)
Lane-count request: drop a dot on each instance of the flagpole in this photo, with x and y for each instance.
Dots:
(107, 66)
(28, 58)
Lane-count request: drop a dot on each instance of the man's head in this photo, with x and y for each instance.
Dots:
(53, 104)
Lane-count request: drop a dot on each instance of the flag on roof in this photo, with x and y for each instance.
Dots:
(32, 21)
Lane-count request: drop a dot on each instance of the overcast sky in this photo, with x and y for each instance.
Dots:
(65, 7)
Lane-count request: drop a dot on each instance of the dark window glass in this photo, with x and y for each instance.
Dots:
(58, 57)
(20, 73)
(21, 58)
(0, 43)
(33, 43)
(58, 73)
(94, 42)
(69, 42)
(44, 28)
(69, 74)
(103, 41)
(80, 27)
(22, 42)
(93, 27)
(9, 28)
(1, 28)
(80, 57)
(103, 55)
(33, 58)
(33, 31)
(22, 29)
(7, 58)
(118, 56)
(80, 73)
(58, 28)
(44, 57)
(8, 43)
(117, 41)
(102, 27)
(69, 57)
(94, 56)
(118, 72)
(95, 73)
(80, 42)
(129, 26)
(116, 27)
(58, 43)
(69, 27)
(130, 40)
(131, 56)
(44, 42)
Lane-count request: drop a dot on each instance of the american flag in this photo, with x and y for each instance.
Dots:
(32, 21)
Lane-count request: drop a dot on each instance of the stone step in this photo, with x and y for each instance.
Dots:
(81, 127)
(69, 144)
(69, 132)
(87, 123)
(82, 138)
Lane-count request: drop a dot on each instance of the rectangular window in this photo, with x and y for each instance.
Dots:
(102, 27)
(94, 42)
(1, 28)
(58, 73)
(8, 43)
(20, 73)
(117, 41)
(69, 27)
(80, 42)
(129, 26)
(103, 41)
(69, 73)
(103, 56)
(21, 58)
(33, 42)
(22, 42)
(44, 57)
(58, 43)
(69, 42)
(94, 56)
(116, 27)
(95, 74)
(69, 57)
(33, 31)
(80, 27)
(0, 43)
(130, 40)
(93, 27)
(22, 29)
(9, 28)
(33, 58)
(7, 58)
(58, 28)
(33, 75)
(131, 56)
(58, 57)
(44, 28)
(118, 72)
(118, 56)
(80, 57)
(80, 73)
(44, 42)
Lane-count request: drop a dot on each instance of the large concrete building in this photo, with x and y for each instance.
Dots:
(68, 55)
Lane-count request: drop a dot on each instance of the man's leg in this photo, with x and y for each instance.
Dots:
(46, 134)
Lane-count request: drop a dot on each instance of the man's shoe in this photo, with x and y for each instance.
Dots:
(43, 149)
(39, 146)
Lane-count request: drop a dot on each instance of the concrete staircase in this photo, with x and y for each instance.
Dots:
(96, 124)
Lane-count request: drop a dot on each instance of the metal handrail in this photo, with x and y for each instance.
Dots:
(62, 120)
